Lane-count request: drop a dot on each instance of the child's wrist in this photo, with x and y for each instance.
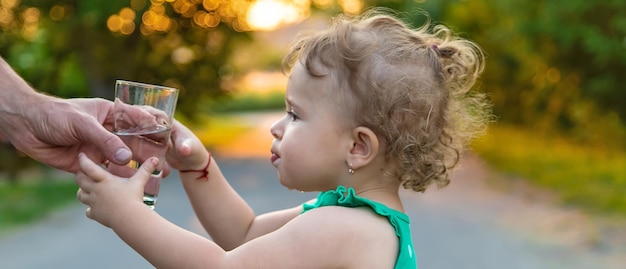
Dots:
(202, 172)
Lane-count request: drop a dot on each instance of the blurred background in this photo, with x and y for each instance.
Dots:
(555, 72)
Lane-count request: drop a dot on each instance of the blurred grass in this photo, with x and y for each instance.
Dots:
(217, 129)
(584, 176)
(247, 101)
(31, 200)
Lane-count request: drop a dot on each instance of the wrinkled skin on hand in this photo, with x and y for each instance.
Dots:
(56, 130)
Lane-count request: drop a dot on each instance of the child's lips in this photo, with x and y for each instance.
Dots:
(274, 157)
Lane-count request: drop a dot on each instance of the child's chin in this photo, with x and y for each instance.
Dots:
(286, 183)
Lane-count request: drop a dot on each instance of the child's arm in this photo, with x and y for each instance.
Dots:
(227, 218)
(312, 240)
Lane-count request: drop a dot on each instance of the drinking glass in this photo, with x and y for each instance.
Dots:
(143, 115)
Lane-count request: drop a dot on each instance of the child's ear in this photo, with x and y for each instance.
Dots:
(364, 148)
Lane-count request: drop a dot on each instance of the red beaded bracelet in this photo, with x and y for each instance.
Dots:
(204, 171)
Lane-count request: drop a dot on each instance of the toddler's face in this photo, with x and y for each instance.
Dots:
(311, 141)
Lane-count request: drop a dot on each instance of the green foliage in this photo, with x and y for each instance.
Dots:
(13, 163)
(247, 101)
(592, 178)
(67, 48)
(547, 59)
(551, 64)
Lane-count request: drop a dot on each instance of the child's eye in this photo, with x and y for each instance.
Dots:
(293, 115)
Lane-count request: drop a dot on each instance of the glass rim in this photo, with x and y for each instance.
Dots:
(144, 85)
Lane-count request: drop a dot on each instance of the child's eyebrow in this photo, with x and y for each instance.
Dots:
(290, 103)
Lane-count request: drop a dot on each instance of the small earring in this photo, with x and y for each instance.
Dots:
(350, 170)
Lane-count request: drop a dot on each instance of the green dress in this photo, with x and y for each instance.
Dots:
(400, 221)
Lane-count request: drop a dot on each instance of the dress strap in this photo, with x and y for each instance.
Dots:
(346, 197)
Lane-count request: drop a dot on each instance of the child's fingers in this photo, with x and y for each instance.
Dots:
(89, 213)
(145, 171)
(182, 139)
(166, 170)
(83, 196)
(91, 169)
(83, 181)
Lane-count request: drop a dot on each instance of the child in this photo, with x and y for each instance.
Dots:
(371, 105)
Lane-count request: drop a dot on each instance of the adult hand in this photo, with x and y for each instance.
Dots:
(55, 130)
(109, 197)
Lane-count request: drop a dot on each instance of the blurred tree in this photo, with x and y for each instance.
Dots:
(552, 65)
(13, 162)
(78, 48)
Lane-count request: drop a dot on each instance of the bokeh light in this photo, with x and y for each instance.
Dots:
(122, 22)
(240, 15)
(31, 23)
(352, 7)
(268, 15)
(10, 4)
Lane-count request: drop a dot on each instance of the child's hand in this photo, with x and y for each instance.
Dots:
(109, 196)
(187, 152)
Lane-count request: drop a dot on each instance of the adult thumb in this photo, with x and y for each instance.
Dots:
(108, 143)
(145, 171)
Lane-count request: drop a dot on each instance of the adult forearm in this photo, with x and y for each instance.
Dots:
(16, 99)
(13, 89)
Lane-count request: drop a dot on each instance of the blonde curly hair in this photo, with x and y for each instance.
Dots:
(412, 87)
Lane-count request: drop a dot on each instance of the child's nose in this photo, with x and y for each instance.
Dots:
(276, 130)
